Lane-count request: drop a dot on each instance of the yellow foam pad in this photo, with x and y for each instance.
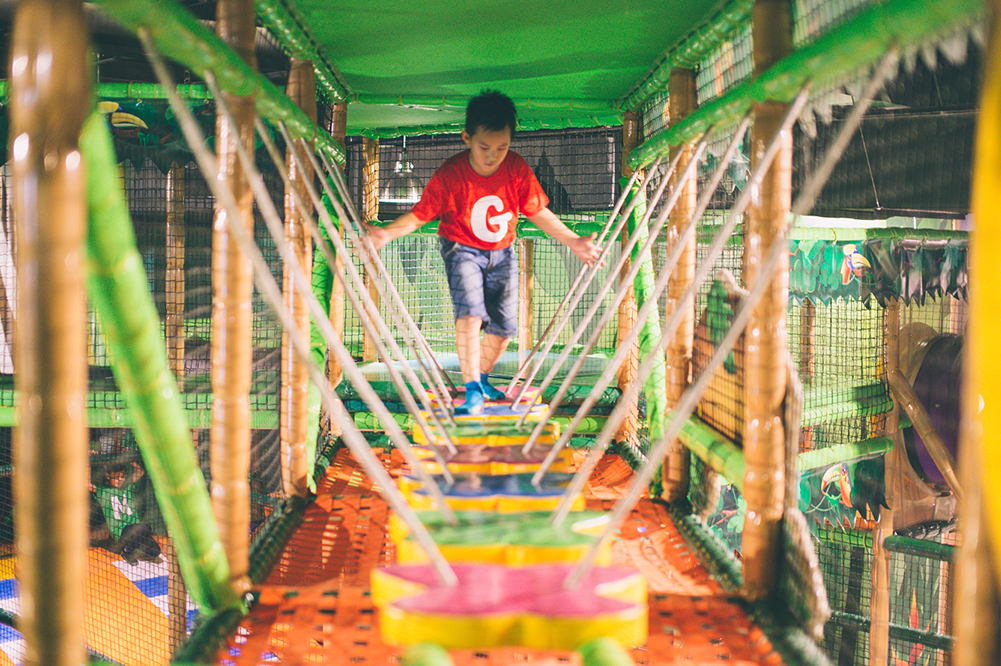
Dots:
(494, 605)
(514, 539)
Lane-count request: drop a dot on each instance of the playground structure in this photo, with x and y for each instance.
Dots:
(851, 483)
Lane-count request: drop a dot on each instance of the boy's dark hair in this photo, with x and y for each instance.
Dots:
(491, 110)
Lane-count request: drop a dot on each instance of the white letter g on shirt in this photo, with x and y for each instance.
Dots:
(489, 229)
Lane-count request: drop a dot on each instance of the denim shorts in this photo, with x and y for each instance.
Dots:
(484, 284)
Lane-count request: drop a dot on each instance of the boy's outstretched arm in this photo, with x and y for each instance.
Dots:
(582, 246)
(401, 226)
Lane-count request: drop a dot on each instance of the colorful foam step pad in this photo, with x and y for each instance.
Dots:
(491, 433)
(530, 396)
(506, 493)
(514, 539)
(498, 460)
(496, 605)
(500, 411)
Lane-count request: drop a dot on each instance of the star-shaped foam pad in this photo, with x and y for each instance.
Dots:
(514, 539)
(494, 605)
(505, 493)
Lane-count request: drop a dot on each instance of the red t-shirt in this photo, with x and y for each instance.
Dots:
(477, 211)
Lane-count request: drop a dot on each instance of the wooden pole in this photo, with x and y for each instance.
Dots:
(335, 373)
(294, 412)
(50, 100)
(879, 632)
(526, 289)
(177, 593)
(627, 307)
(370, 211)
(678, 354)
(232, 315)
(764, 432)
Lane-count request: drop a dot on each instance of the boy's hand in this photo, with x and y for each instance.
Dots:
(378, 235)
(585, 249)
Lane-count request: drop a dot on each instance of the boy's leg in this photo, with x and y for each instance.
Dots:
(464, 267)
(491, 348)
(500, 287)
(467, 342)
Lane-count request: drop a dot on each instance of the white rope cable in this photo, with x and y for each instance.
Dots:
(624, 345)
(580, 274)
(625, 287)
(345, 207)
(272, 294)
(689, 399)
(361, 301)
(593, 271)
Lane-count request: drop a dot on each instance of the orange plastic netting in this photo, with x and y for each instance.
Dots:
(315, 606)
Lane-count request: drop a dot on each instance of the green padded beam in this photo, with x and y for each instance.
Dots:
(287, 27)
(182, 38)
(856, 44)
(118, 288)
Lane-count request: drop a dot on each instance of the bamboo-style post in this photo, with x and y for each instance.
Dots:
(294, 413)
(627, 307)
(335, 373)
(807, 357)
(764, 432)
(370, 211)
(232, 316)
(526, 291)
(879, 632)
(174, 321)
(177, 593)
(50, 100)
(7, 314)
(976, 607)
(678, 356)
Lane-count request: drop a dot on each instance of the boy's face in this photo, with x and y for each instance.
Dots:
(487, 149)
(116, 479)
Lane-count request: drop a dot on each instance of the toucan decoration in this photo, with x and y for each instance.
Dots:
(854, 265)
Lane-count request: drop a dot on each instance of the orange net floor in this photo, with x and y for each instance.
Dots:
(315, 606)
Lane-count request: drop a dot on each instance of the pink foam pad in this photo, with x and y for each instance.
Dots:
(491, 589)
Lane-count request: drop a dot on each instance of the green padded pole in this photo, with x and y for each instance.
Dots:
(181, 37)
(117, 286)
(649, 338)
(287, 27)
(859, 42)
(696, 47)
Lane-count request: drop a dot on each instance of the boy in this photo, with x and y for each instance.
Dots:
(477, 195)
(132, 538)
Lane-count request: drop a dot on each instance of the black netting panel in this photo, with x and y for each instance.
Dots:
(845, 563)
(913, 152)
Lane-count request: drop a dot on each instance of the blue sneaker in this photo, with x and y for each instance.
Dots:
(473, 404)
(489, 392)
